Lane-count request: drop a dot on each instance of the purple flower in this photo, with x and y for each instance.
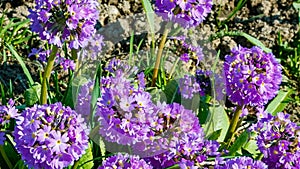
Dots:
(7, 112)
(277, 138)
(62, 21)
(50, 136)
(125, 110)
(66, 63)
(94, 46)
(241, 162)
(2, 138)
(188, 51)
(181, 140)
(188, 13)
(83, 105)
(121, 161)
(252, 76)
(188, 87)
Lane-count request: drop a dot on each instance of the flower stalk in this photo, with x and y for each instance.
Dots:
(47, 73)
(159, 54)
(233, 123)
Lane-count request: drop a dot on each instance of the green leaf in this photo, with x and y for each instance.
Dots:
(215, 135)
(20, 165)
(32, 94)
(21, 62)
(176, 166)
(96, 93)
(240, 4)
(3, 98)
(217, 120)
(251, 147)
(250, 38)
(171, 92)
(255, 42)
(296, 5)
(279, 102)
(86, 161)
(239, 143)
(10, 152)
(18, 25)
(149, 13)
(203, 110)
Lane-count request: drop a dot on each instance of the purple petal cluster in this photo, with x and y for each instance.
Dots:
(58, 21)
(125, 110)
(65, 63)
(241, 162)
(124, 161)
(182, 138)
(164, 133)
(188, 13)
(50, 136)
(83, 105)
(42, 56)
(278, 139)
(189, 51)
(39, 54)
(252, 76)
(94, 46)
(188, 87)
(6, 113)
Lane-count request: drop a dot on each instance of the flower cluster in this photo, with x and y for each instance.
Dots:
(203, 79)
(188, 13)
(6, 113)
(252, 76)
(124, 111)
(58, 21)
(182, 138)
(241, 162)
(94, 47)
(278, 140)
(125, 161)
(50, 136)
(168, 133)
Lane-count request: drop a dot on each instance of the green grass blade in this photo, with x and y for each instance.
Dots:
(131, 48)
(96, 93)
(21, 62)
(3, 94)
(256, 42)
(10, 89)
(240, 4)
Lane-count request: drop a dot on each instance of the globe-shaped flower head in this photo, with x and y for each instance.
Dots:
(121, 161)
(50, 136)
(278, 139)
(58, 21)
(252, 76)
(241, 162)
(188, 13)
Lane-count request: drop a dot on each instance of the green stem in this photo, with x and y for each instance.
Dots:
(6, 159)
(233, 123)
(159, 54)
(173, 67)
(47, 73)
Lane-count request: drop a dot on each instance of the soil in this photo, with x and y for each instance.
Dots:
(259, 18)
